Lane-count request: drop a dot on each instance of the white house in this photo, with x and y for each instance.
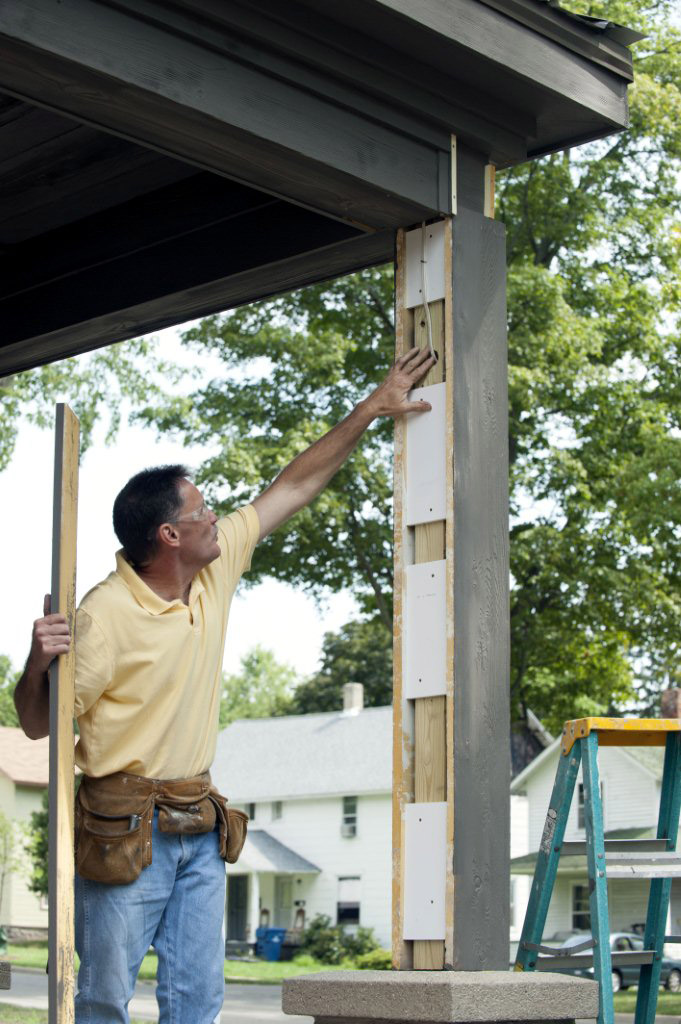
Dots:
(24, 766)
(630, 786)
(318, 790)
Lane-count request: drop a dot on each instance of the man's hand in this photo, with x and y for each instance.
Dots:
(391, 396)
(303, 479)
(32, 694)
(50, 638)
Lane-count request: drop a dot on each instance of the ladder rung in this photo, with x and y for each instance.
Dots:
(582, 960)
(577, 848)
(644, 871)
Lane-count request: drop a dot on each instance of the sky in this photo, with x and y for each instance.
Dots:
(273, 614)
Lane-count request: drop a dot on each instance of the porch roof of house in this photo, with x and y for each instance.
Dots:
(262, 853)
(332, 753)
(575, 866)
(24, 761)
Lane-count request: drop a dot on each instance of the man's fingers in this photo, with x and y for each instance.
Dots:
(417, 407)
(53, 620)
(47, 604)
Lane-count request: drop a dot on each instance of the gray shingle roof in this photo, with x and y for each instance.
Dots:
(262, 852)
(334, 753)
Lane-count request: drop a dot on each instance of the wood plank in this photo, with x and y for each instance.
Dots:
(449, 594)
(403, 714)
(210, 109)
(430, 744)
(62, 689)
(490, 182)
(511, 49)
(429, 712)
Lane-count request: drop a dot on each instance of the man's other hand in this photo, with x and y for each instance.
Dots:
(50, 638)
(391, 397)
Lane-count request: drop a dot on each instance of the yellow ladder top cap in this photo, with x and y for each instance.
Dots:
(620, 732)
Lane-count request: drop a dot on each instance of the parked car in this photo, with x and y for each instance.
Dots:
(623, 975)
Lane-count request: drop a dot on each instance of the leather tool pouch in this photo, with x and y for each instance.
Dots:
(192, 819)
(113, 843)
(114, 818)
(233, 827)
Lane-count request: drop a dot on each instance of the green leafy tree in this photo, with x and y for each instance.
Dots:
(37, 847)
(261, 689)
(93, 384)
(8, 681)
(594, 289)
(360, 652)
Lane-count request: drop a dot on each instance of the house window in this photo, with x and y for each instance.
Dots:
(580, 805)
(250, 811)
(277, 809)
(581, 918)
(348, 901)
(349, 822)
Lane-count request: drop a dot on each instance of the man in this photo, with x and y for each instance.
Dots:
(148, 670)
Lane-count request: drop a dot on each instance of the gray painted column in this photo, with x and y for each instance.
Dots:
(480, 774)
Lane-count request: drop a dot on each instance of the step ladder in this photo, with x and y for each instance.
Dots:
(655, 859)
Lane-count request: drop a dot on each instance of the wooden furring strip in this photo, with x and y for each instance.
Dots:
(403, 724)
(62, 689)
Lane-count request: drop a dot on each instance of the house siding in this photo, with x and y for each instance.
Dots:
(313, 829)
(631, 797)
(21, 908)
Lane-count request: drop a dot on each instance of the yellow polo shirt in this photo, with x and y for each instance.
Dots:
(149, 671)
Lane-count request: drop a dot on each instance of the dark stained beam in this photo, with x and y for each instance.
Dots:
(177, 94)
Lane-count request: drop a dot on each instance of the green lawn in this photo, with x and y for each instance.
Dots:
(35, 955)
(668, 1003)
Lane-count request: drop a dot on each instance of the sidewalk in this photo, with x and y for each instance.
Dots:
(250, 1004)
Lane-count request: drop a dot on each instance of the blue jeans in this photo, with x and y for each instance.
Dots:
(176, 905)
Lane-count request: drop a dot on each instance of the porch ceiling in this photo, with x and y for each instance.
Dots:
(163, 160)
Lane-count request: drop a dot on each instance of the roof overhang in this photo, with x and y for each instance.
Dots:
(168, 159)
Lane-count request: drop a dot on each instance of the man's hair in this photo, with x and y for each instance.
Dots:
(148, 499)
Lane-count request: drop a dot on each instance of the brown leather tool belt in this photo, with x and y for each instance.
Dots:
(114, 819)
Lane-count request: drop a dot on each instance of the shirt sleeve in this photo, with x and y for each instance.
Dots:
(94, 668)
(239, 533)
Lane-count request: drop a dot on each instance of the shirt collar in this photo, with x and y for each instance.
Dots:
(148, 598)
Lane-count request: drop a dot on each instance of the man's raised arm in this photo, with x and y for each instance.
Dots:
(32, 695)
(309, 473)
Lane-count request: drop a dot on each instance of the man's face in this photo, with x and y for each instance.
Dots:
(195, 524)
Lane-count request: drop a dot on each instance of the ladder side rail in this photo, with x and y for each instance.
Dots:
(660, 888)
(547, 858)
(598, 898)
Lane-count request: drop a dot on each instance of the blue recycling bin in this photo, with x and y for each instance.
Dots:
(271, 945)
(260, 934)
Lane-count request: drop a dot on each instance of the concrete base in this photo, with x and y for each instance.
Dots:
(439, 997)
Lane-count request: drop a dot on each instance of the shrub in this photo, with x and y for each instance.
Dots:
(376, 960)
(331, 944)
(358, 943)
(322, 940)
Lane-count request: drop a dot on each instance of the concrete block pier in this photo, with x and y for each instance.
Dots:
(440, 997)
